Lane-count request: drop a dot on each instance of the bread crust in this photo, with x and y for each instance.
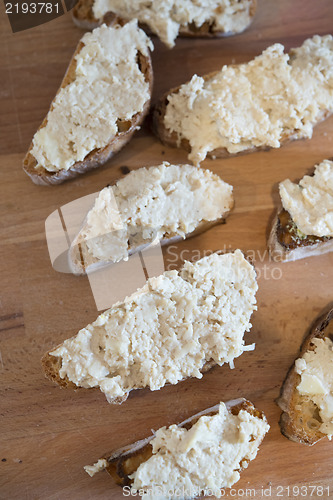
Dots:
(300, 419)
(97, 157)
(84, 18)
(123, 462)
(279, 253)
(52, 365)
(172, 139)
(81, 262)
(82, 15)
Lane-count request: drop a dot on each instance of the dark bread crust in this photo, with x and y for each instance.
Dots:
(84, 18)
(280, 253)
(125, 461)
(300, 419)
(97, 157)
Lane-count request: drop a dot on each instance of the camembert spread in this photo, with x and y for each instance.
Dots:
(150, 204)
(108, 86)
(166, 331)
(275, 96)
(165, 18)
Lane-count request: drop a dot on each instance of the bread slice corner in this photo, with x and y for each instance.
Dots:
(83, 16)
(300, 420)
(52, 365)
(281, 253)
(40, 176)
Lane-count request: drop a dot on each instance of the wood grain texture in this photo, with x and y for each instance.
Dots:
(48, 434)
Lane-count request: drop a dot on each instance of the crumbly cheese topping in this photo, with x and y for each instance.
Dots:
(208, 456)
(168, 330)
(260, 103)
(166, 17)
(310, 203)
(316, 370)
(100, 465)
(108, 86)
(152, 203)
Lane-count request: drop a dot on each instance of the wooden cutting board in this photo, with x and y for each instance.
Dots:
(47, 434)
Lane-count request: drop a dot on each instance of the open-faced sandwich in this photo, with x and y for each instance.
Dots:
(177, 326)
(101, 102)
(163, 203)
(307, 392)
(303, 226)
(274, 98)
(171, 18)
(203, 454)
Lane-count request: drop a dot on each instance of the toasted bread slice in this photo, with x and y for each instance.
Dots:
(83, 17)
(285, 245)
(97, 157)
(302, 226)
(143, 341)
(170, 202)
(123, 464)
(184, 106)
(300, 420)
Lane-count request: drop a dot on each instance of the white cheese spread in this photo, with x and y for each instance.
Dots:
(316, 371)
(257, 104)
(168, 330)
(152, 203)
(166, 17)
(310, 203)
(100, 465)
(108, 85)
(208, 456)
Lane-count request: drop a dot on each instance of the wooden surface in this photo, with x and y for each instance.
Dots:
(47, 434)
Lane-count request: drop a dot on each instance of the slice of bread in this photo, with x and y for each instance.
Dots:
(124, 463)
(170, 202)
(300, 420)
(285, 245)
(165, 332)
(97, 157)
(196, 123)
(83, 17)
(302, 227)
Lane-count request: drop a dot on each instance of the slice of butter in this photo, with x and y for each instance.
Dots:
(316, 371)
(199, 433)
(311, 384)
